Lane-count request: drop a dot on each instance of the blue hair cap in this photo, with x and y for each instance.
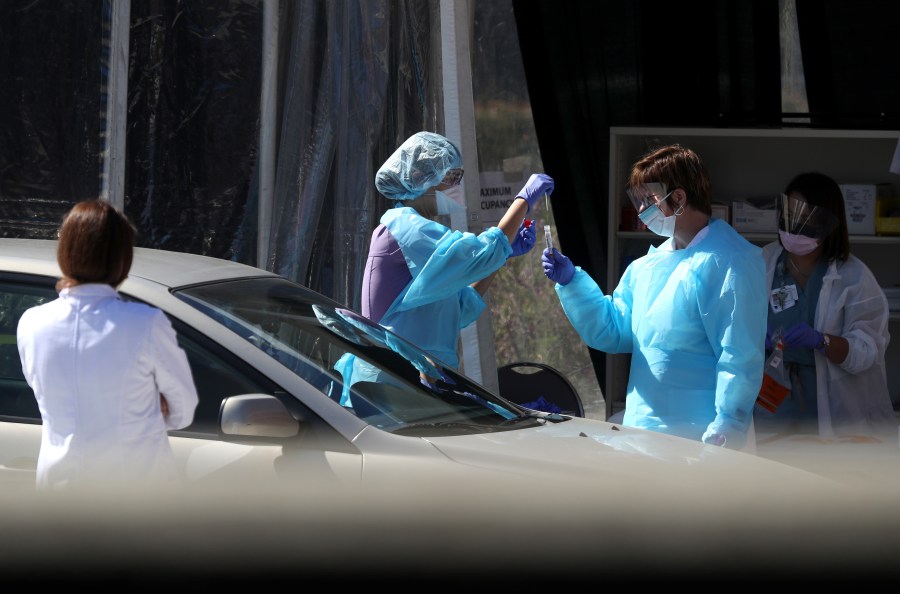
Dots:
(421, 162)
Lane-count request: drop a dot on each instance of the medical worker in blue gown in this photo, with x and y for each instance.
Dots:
(692, 312)
(422, 279)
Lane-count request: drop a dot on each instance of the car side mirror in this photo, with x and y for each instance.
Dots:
(256, 415)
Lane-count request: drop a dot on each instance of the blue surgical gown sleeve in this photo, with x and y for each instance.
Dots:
(603, 322)
(470, 306)
(443, 261)
(734, 310)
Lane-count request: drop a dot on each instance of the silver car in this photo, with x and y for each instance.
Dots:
(290, 381)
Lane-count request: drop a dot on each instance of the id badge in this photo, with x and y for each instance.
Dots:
(783, 298)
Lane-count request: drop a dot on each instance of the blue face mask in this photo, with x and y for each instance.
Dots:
(656, 221)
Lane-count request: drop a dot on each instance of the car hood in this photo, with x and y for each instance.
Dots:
(610, 453)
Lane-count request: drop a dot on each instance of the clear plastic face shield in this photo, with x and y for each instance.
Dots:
(647, 195)
(798, 217)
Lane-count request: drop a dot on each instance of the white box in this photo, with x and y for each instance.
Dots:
(755, 215)
(859, 206)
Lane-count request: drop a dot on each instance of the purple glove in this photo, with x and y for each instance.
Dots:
(536, 186)
(770, 342)
(557, 267)
(525, 238)
(801, 335)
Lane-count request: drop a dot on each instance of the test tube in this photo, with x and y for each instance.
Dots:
(548, 237)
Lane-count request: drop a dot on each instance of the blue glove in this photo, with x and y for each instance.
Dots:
(536, 186)
(770, 343)
(801, 335)
(525, 238)
(557, 267)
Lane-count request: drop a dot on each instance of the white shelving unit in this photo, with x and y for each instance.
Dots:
(750, 163)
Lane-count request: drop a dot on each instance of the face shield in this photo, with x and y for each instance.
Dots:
(647, 195)
(798, 217)
(453, 177)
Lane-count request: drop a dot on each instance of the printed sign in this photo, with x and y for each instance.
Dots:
(497, 194)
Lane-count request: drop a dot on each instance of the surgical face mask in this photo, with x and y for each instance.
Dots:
(447, 204)
(449, 200)
(656, 221)
(799, 245)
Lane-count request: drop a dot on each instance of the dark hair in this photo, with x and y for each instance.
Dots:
(676, 167)
(820, 190)
(96, 245)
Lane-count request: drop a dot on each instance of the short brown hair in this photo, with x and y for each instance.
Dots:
(96, 245)
(676, 167)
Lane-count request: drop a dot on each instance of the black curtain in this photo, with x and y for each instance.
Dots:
(592, 65)
(193, 125)
(51, 111)
(851, 59)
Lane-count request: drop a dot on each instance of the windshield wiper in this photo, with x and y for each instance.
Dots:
(472, 427)
(551, 417)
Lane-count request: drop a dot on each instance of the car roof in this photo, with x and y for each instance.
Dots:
(171, 269)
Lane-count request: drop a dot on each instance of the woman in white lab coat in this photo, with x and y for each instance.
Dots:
(833, 318)
(108, 375)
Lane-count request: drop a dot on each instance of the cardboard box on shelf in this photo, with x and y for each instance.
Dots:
(754, 215)
(859, 205)
(720, 211)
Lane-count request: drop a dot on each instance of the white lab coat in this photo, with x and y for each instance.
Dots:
(853, 397)
(97, 366)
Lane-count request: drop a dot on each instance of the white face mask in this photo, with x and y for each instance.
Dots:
(657, 222)
(799, 245)
(450, 200)
(454, 194)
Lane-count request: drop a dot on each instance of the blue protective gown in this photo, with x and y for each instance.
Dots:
(438, 301)
(694, 320)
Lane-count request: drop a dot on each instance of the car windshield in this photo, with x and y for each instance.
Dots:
(371, 372)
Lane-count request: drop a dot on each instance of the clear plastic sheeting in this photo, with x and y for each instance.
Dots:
(193, 126)
(358, 79)
(353, 80)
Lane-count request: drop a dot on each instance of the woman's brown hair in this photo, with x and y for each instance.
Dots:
(96, 245)
(676, 166)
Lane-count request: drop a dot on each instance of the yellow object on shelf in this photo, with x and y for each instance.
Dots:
(888, 220)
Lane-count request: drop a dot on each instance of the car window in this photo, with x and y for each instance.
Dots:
(16, 295)
(217, 375)
(372, 373)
